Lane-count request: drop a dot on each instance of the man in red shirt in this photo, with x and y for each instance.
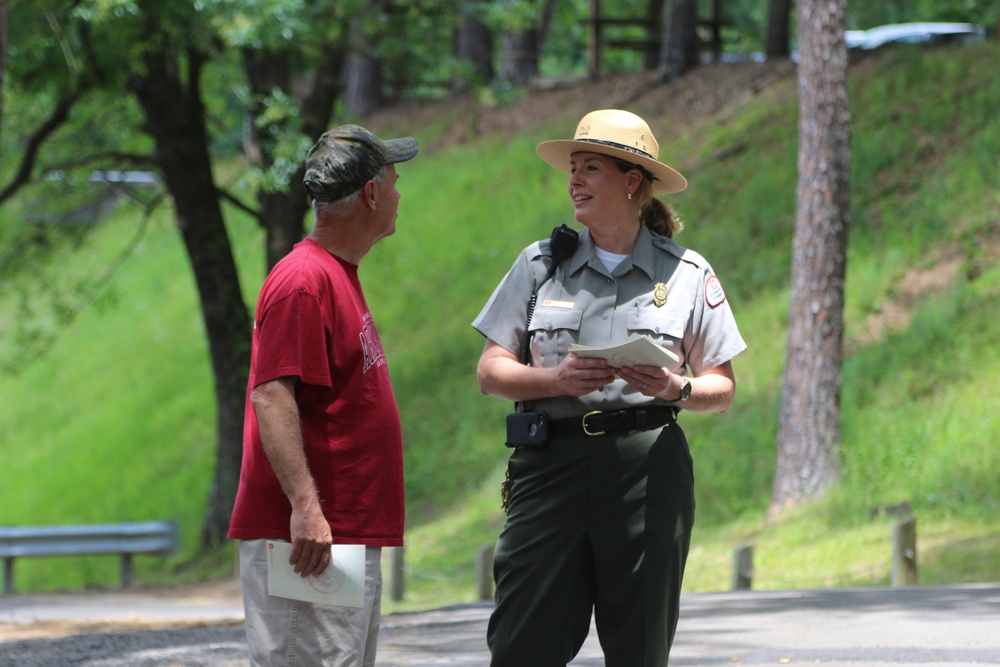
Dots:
(322, 444)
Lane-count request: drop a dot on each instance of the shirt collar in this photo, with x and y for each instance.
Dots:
(642, 256)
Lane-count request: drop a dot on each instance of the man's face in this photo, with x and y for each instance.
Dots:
(388, 203)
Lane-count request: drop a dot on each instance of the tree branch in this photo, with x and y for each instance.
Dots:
(238, 204)
(34, 143)
(114, 157)
(74, 300)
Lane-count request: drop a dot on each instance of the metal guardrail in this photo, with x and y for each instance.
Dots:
(126, 539)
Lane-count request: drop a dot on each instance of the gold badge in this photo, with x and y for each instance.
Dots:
(660, 294)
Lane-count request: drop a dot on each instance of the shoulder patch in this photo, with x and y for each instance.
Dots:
(714, 294)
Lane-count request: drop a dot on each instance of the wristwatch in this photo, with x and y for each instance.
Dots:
(685, 391)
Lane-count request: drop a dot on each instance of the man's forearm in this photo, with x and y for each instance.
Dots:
(281, 435)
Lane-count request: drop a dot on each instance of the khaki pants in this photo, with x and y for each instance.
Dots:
(291, 633)
(596, 525)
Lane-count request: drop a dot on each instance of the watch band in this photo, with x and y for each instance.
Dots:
(685, 392)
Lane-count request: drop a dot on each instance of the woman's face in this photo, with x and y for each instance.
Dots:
(598, 188)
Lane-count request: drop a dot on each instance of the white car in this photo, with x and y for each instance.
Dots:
(915, 33)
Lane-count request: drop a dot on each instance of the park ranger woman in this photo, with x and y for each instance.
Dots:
(600, 488)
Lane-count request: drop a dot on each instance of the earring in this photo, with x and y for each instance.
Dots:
(630, 196)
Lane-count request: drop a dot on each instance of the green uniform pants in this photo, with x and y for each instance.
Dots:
(595, 524)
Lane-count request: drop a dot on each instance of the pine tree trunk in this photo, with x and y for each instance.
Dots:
(473, 49)
(679, 47)
(809, 431)
(519, 57)
(362, 84)
(3, 55)
(362, 71)
(778, 29)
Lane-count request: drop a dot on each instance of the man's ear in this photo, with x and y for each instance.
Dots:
(371, 194)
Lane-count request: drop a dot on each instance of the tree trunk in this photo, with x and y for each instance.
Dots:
(362, 84)
(679, 47)
(3, 57)
(809, 431)
(520, 51)
(778, 29)
(519, 57)
(473, 49)
(171, 102)
(282, 212)
(544, 24)
(362, 72)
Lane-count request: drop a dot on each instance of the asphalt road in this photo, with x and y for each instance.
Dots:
(929, 626)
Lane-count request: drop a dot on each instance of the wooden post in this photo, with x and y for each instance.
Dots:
(716, 39)
(743, 567)
(126, 570)
(397, 583)
(654, 34)
(904, 552)
(8, 575)
(484, 572)
(594, 40)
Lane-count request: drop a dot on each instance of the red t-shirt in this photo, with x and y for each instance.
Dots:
(313, 323)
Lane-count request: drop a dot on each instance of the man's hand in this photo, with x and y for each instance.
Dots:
(311, 541)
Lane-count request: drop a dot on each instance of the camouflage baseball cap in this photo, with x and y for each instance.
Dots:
(346, 158)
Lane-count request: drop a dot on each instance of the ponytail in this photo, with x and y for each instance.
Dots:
(660, 218)
(653, 213)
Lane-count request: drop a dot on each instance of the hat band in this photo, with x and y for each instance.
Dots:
(623, 147)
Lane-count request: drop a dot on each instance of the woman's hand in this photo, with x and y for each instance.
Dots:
(711, 391)
(576, 376)
(653, 381)
(501, 374)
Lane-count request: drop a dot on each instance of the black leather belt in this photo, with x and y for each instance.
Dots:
(613, 421)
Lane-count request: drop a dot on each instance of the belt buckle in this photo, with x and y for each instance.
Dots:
(583, 422)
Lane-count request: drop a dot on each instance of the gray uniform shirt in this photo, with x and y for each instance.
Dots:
(584, 303)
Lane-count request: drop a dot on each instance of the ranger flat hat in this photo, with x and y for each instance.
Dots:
(347, 157)
(620, 134)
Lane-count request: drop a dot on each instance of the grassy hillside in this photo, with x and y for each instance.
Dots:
(116, 422)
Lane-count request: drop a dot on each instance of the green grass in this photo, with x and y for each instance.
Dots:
(116, 422)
